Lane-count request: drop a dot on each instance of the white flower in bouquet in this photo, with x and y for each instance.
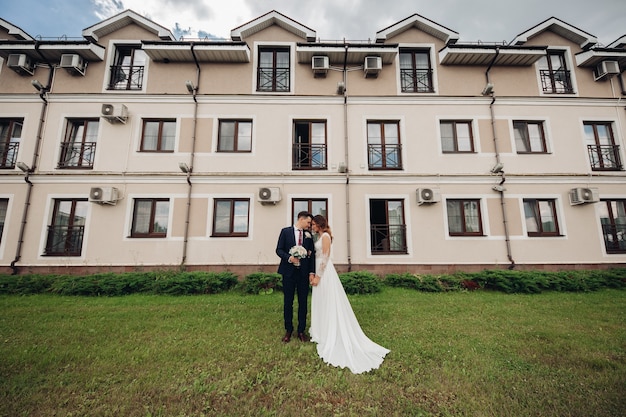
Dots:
(298, 252)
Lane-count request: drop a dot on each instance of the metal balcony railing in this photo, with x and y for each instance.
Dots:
(309, 156)
(64, 240)
(77, 155)
(8, 154)
(126, 77)
(388, 238)
(604, 157)
(556, 82)
(614, 237)
(384, 156)
(273, 79)
(416, 80)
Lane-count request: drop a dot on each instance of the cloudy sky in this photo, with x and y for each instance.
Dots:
(484, 20)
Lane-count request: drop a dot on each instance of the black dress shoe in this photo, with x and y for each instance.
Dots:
(303, 337)
(287, 337)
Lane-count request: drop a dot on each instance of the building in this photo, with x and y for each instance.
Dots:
(130, 149)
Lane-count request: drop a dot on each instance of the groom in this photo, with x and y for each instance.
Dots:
(296, 272)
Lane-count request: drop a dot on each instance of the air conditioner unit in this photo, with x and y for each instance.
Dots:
(73, 63)
(115, 113)
(606, 69)
(269, 195)
(372, 66)
(104, 195)
(583, 195)
(319, 64)
(21, 63)
(428, 195)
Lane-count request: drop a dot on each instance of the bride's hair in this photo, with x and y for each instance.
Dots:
(322, 224)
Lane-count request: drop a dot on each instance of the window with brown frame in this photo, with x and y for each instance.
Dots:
(158, 135)
(540, 217)
(66, 231)
(529, 136)
(313, 206)
(235, 136)
(604, 153)
(128, 69)
(387, 226)
(231, 217)
(456, 136)
(384, 149)
(10, 135)
(554, 75)
(273, 72)
(4, 202)
(150, 218)
(78, 149)
(416, 73)
(613, 221)
(309, 144)
(464, 217)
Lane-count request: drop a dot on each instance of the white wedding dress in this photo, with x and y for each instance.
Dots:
(334, 327)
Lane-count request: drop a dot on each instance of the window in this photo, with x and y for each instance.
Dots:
(230, 217)
(529, 137)
(309, 145)
(555, 77)
(456, 136)
(464, 218)
(273, 71)
(128, 68)
(313, 206)
(4, 202)
(416, 74)
(383, 145)
(603, 152)
(388, 230)
(10, 134)
(235, 136)
(79, 146)
(65, 234)
(150, 217)
(613, 221)
(158, 136)
(541, 217)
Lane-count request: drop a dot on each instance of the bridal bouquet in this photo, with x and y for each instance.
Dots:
(298, 252)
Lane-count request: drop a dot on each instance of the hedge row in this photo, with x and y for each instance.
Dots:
(363, 282)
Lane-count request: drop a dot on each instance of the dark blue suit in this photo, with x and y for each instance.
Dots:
(295, 279)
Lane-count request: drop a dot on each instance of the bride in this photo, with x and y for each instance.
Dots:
(334, 327)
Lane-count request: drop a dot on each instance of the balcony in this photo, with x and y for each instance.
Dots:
(388, 238)
(384, 156)
(309, 156)
(8, 154)
(614, 237)
(556, 82)
(416, 81)
(126, 77)
(77, 155)
(273, 79)
(604, 157)
(64, 240)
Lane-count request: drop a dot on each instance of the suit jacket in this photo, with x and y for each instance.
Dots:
(287, 240)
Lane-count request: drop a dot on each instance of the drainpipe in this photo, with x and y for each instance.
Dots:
(346, 155)
(43, 91)
(498, 167)
(194, 91)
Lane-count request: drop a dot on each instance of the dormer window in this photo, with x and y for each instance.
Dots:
(128, 68)
(554, 74)
(416, 73)
(273, 73)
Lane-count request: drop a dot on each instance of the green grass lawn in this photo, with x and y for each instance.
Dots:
(452, 354)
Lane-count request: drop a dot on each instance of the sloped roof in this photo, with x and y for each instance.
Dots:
(421, 23)
(269, 19)
(561, 28)
(14, 30)
(123, 19)
(618, 43)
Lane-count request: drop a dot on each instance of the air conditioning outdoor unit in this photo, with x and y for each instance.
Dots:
(21, 63)
(583, 195)
(73, 63)
(269, 195)
(115, 113)
(372, 66)
(104, 195)
(428, 195)
(319, 64)
(606, 69)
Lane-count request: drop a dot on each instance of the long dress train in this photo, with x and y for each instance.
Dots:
(334, 327)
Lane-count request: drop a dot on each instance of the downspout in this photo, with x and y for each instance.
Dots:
(347, 153)
(194, 92)
(500, 187)
(42, 94)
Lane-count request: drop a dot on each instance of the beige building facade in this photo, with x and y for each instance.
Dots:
(129, 149)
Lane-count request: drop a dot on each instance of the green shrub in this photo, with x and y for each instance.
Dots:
(188, 283)
(261, 283)
(26, 284)
(360, 282)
